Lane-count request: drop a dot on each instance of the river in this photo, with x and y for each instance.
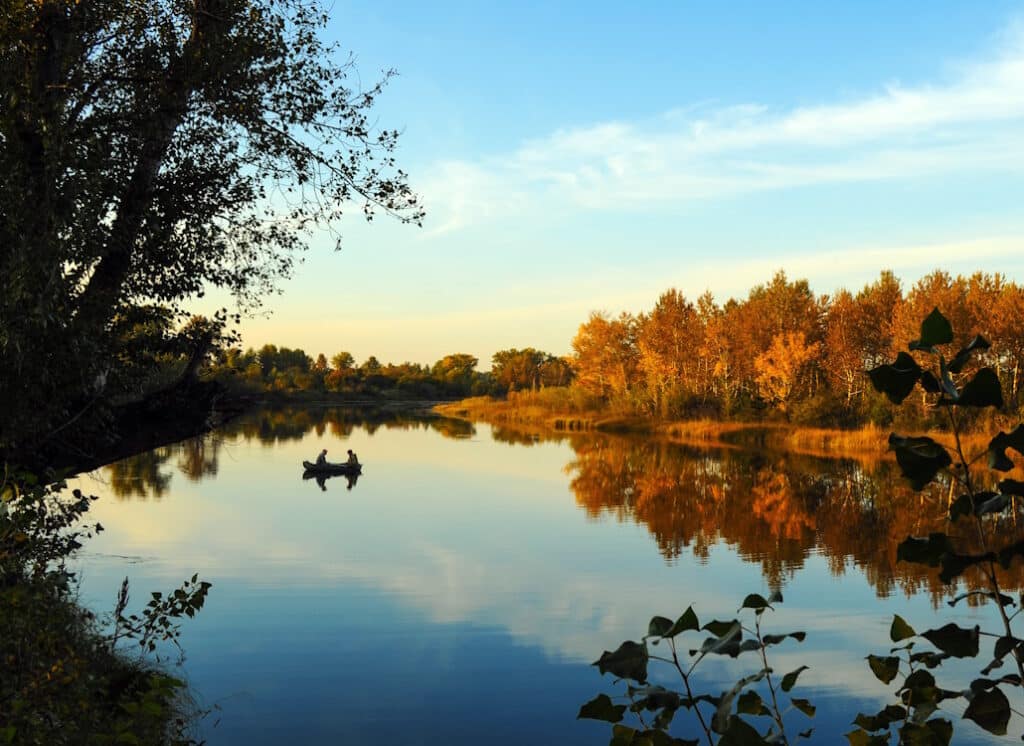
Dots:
(459, 590)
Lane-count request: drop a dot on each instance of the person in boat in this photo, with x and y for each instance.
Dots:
(321, 460)
(352, 458)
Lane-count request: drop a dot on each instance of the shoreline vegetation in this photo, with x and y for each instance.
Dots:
(531, 411)
(73, 675)
(782, 367)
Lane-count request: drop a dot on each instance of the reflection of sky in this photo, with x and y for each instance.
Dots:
(455, 595)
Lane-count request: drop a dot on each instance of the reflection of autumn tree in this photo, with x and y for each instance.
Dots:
(140, 476)
(272, 425)
(452, 428)
(197, 457)
(772, 509)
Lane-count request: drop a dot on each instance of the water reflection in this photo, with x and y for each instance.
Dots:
(141, 476)
(774, 509)
(321, 479)
(488, 561)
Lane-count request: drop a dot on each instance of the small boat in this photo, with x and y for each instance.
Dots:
(329, 468)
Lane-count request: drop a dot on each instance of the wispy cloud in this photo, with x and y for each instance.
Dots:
(972, 121)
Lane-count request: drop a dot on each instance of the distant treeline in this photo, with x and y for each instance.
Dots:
(272, 368)
(783, 351)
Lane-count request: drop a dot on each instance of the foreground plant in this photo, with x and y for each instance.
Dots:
(728, 717)
(64, 679)
(979, 543)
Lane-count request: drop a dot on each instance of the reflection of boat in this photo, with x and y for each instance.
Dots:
(330, 469)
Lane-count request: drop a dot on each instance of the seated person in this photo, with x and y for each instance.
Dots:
(352, 458)
(321, 460)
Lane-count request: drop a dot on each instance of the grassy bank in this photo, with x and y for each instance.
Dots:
(558, 414)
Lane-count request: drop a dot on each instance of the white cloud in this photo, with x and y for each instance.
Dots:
(971, 121)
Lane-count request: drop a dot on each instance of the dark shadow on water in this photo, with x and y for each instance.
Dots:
(321, 479)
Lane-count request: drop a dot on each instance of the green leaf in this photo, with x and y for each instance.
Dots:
(727, 643)
(656, 698)
(978, 343)
(956, 641)
(922, 683)
(953, 564)
(919, 458)
(1004, 645)
(719, 628)
(997, 458)
(983, 390)
(659, 627)
(601, 708)
(929, 383)
(755, 601)
(935, 330)
(628, 662)
(686, 622)
(860, 738)
(660, 738)
(721, 719)
(623, 736)
(881, 721)
(884, 669)
(750, 703)
(899, 629)
(991, 710)
(804, 706)
(924, 551)
(740, 733)
(776, 639)
(789, 680)
(931, 733)
(1011, 487)
(896, 380)
(930, 659)
(962, 506)
(992, 503)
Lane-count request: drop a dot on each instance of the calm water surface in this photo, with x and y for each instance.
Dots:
(459, 590)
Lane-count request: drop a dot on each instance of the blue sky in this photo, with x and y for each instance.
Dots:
(588, 156)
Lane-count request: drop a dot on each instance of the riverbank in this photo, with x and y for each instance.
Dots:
(324, 399)
(869, 442)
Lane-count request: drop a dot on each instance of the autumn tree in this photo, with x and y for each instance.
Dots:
(371, 366)
(1007, 332)
(783, 369)
(150, 150)
(880, 301)
(606, 356)
(844, 348)
(456, 370)
(518, 369)
(666, 340)
(556, 371)
(343, 361)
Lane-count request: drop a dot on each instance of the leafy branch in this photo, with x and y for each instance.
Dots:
(921, 460)
(725, 718)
